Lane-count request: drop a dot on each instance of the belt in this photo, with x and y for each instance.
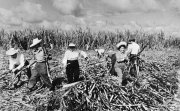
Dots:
(133, 54)
(72, 59)
(41, 61)
(120, 61)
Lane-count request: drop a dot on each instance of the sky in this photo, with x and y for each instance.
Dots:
(145, 15)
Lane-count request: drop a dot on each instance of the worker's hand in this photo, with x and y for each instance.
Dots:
(31, 61)
(64, 65)
(125, 60)
(86, 58)
(13, 70)
(28, 66)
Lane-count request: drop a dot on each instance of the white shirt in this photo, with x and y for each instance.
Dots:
(133, 48)
(72, 55)
(121, 56)
(100, 51)
(39, 55)
(17, 61)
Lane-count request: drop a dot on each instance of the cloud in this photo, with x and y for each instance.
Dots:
(9, 18)
(175, 5)
(126, 6)
(69, 7)
(79, 8)
(24, 15)
(30, 12)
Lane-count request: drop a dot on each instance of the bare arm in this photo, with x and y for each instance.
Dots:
(64, 60)
(22, 60)
(84, 54)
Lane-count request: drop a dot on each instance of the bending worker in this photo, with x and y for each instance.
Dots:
(16, 63)
(70, 61)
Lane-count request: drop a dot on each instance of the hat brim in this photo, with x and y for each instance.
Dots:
(121, 44)
(72, 46)
(34, 44)
(9, 52)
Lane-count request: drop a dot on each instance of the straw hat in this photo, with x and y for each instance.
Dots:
(121, 43)
(72, 45)
(35, 42)
(11, 51)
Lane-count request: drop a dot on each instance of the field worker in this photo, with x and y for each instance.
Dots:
(16, 63)
(87, 46)
(39, 69)
(119, 59)
(70, 62)
(100, 52)
(133, 49)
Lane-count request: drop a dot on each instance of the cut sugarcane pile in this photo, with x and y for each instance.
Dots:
(154, 90)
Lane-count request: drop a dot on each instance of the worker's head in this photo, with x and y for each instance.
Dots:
(121, 44)
(72, 46)
(132, 40)
(14, 56)
(122, 48)
(12, 52)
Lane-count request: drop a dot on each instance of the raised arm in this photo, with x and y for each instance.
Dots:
(128, 51)
(64, 60)
(11, 65)
(84, 54)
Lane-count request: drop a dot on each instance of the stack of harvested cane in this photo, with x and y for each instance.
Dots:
(154, 90)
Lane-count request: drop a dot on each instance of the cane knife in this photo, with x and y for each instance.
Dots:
(47, 64)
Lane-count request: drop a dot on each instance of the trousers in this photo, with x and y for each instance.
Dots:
(119, 69)
(72, 71)
(39, 71)
(28, 72)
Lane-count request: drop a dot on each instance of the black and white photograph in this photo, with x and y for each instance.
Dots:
(89, 55)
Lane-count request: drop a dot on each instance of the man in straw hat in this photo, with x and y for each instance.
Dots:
(70, 62)
(39, 69)
(16, 63)
(119, 59)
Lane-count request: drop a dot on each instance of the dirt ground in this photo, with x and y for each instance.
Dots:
(8, 99)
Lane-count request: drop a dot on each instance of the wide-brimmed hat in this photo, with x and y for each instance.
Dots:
(121, 43)
(35, 42)
(11, 51)
(72, 45)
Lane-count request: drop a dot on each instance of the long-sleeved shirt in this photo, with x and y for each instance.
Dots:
(19, 60)
(39, 55)
(72, 55)
(133, 48)
(100, 51)
(121, 56)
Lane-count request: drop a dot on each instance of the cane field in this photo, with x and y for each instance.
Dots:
(155, 89)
